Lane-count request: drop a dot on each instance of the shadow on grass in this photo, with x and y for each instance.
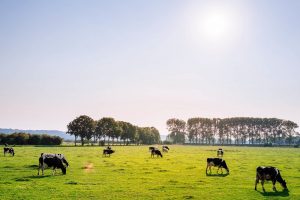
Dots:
(37, 176)
(29, 178)
(32, 166)
(217, 175)
(284, 193)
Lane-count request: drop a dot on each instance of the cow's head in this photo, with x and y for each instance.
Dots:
(224, 165)
(12, 152)
(283, 184)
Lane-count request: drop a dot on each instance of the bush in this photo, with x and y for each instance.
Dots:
(32, 139)
(268, 144)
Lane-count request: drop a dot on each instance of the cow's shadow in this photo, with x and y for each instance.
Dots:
(217, 175)
(38, 176)
(283, 193)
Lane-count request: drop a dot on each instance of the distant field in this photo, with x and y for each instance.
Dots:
(131, 173)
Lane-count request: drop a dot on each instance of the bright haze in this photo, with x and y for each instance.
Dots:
(147, 61)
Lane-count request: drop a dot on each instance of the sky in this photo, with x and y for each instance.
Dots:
(147, 61)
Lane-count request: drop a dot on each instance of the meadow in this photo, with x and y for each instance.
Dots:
(131, 173)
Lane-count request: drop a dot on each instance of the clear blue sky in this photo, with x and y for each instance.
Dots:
(147, 61)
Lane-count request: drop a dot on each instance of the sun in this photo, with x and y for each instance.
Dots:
(213, 23)
(216, 25)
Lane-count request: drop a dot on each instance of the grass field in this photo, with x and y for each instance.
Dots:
(131, 173)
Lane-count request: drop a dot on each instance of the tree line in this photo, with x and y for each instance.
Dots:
(108, 130)
(237, 130)
(30, 139)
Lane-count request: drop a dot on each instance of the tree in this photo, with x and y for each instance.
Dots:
(128, 132)
(107, 127)
(83, 126)
(176, 127)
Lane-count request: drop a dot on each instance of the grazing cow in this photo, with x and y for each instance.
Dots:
(165, 149)
(216, 162)
(269, 174)
(107, 152)
(9, 150)
(53, 160)
(220, 152)
(156, 152)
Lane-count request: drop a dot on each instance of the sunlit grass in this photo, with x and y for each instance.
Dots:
(131, 173)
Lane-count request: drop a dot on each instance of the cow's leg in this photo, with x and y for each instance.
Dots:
(39, 168)
(256, 182)
(53, 171)
(43, 169)
(274, 188)
(262, 185)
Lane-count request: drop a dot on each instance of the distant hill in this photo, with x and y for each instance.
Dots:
(48, 132)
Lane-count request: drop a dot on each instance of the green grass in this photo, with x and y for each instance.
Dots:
(131, 173)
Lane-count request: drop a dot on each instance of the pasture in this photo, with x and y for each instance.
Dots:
(131, 173)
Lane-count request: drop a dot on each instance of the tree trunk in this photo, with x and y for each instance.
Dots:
(82, 141)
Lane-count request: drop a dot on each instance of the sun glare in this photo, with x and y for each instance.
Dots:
(216, 26)
(213, 23)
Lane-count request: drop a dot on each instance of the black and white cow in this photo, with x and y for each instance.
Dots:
(156, 152)
(107, 152)
(216, 162)
(269, 174)
(53, 160)
(220, 152)
(165, 148)
(9, 150)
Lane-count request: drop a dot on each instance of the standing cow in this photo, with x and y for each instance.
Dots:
(220, 152)
(9, 150)
(269, 174)
(216, 162)
(156, 152)
(107, 152)
(53, 160)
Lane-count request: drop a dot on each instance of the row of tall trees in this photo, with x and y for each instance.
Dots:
(108, 130)
(31, 139)
(238, 130)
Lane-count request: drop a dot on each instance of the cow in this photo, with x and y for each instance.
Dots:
(216, 162)
(220, 152)
(156, 152)
(108, 147)
(165, 149)
(107, 152)
(53, 160)
(9, 150)
(269, 174)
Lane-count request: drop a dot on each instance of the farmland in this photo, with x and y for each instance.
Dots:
(131, 173)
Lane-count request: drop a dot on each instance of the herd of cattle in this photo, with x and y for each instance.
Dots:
(58, 161)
